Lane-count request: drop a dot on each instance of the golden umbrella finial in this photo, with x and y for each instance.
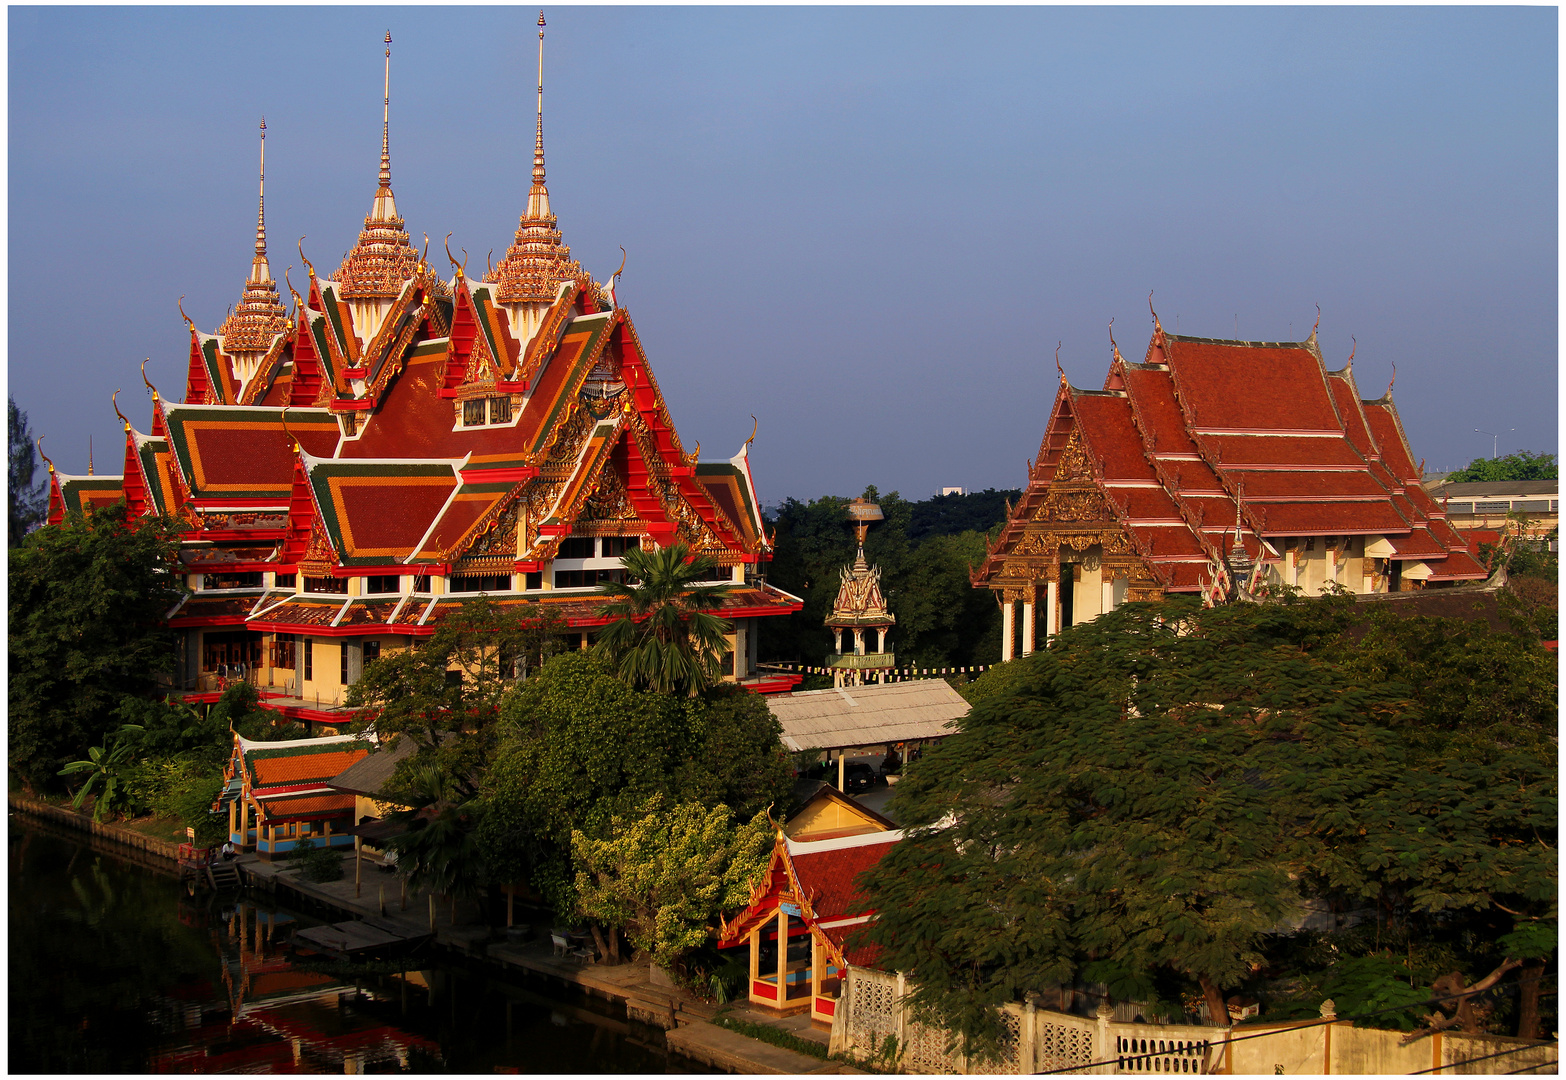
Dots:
(114, 399)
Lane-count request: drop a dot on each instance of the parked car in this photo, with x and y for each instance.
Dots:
(857, 776)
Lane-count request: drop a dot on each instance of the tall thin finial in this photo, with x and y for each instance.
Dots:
(538, 141)
(386, 120)
(89, 455)
(261, 204)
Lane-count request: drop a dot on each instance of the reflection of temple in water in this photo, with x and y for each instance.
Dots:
(265, 1014)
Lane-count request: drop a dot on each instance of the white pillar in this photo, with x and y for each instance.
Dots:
(859, 641)
(1109, 593)
(1051, 610)
(1008, 628)
(1027, 627)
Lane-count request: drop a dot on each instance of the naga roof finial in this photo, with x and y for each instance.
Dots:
(755, 426)
(1355, 349)
(1113, 348)
(424, 255)
(1394, 378)
(1313, 329)
(148, 381)
(308, 264)
(289, 435)
(51, 464)
(114, 399)
(180, 303)
(454, 264)
(1157, 326)
(1060, 370)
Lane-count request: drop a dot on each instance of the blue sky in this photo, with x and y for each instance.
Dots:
(869, 227)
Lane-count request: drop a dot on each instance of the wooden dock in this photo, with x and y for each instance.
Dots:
(357, 937)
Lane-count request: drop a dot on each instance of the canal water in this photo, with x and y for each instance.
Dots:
(115, 968)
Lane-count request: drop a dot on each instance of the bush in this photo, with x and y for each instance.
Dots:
(318, 864)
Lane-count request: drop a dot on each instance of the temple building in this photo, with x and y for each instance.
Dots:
(390, 443)
(1215, 468)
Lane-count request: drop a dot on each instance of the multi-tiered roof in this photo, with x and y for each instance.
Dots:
(1212, 450)
(398, 423)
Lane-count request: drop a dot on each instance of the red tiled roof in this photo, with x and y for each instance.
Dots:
(827, 878)
(863, 953)
(1418, 544)
(283, 809)
(1457, 566)
(302, 768)
(1245, 385)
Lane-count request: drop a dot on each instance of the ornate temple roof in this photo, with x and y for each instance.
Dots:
(1209, 438)
(538, 260)
(259, 318)
(383, 258)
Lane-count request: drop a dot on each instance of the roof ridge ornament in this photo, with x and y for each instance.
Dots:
(1394, 377)
(180, 303)
(148, 381)
(1158, 327)
(1060, 370)
(114, 400)
(1313, 329)
(1114, 349)
(1349, 364)
(51, 464)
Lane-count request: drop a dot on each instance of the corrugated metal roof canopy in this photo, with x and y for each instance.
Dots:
(868, 715)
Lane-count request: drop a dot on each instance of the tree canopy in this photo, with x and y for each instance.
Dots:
(28, 499)
(1523, 465)
(1148, 802)
(581, 747)
(86, 618)
(924, 549)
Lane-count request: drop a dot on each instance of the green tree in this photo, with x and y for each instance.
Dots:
(582, 747)
(86, 620)
(1522, 465)
(665, 874)
(29, 500)
(665, 635)
(444, 694)
(106, 768)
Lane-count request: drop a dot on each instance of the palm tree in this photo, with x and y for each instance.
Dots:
(665, 636)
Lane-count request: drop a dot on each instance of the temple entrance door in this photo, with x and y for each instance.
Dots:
(1068, 589)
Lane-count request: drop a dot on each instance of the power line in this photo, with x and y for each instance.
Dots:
(1118, 1058)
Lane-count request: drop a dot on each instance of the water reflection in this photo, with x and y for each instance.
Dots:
(115, 968)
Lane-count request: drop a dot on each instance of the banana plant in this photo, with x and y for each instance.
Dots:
(104, 763)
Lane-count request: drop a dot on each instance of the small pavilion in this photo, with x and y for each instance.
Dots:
(852, 718)
(277, 793)
(860, 607)
(800, 919)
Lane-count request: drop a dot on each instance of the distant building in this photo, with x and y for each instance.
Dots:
(1481, 509)
(953, 491)
(1212, 467)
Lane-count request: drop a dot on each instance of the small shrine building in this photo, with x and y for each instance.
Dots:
(1212, 468)
(277, 794)
(860, 609)
(357, 461)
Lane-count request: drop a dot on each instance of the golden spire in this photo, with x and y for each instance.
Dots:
(537, 261)
(258, 319)
(89, 453)
(386, 120)
(384, 257)
(538, 140)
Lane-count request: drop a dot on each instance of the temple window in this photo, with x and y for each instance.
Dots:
(326, 585)
(534, 582)
(585, 579)
(616, 546)
(372, 651)
(233, 581)
(342, 663)
(470, 583)
(421, 583)
(381, 583)
(500, 410)
(283, 651)
(309, 668)
(285, 581)
(473, 413)
(576, 547)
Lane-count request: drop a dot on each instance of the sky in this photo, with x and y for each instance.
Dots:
(867, 227)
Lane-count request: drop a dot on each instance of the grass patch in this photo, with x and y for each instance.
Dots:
(170, 829)
(772, 1035)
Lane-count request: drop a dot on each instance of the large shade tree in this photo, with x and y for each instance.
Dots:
(86, 619)
(1153, 797)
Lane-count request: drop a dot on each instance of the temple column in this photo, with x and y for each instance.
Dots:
(1027, 627)
(837, 633)
(880, 645)
(782, 957)
(1108, 603)
(1052, 610)
(1008, 626)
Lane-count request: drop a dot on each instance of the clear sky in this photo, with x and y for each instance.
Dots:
(869, 227)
